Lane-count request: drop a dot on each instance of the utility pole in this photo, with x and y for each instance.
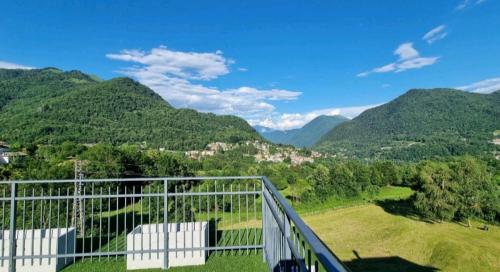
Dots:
(77, 203)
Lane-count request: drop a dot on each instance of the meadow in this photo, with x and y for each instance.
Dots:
(375, 237)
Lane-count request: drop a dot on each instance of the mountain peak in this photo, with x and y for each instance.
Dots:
(420, 119)
(328, 117)
(306, 136)
(51, 106)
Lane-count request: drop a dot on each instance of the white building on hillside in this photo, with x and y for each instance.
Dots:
(4, 154)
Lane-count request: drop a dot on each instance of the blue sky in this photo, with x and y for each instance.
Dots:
(274, 63)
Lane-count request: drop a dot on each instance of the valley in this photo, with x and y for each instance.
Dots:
(371, 188)
(280, 136)
(306, 136)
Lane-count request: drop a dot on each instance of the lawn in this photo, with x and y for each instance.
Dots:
(369, 238)
(241, 263)
(219, 261)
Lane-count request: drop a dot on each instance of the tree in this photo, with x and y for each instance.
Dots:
(166, 164)
(376, 174)
(320, 181)
(361, 173)
(390, 173)
(342, 181)
(103, 161)
(460, 188)
(474, 187)
(298, 188)
(436, 193)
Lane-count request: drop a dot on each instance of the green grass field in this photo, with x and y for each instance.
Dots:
(368, 233)
(241, 263)
(387, 192)
(388, 242)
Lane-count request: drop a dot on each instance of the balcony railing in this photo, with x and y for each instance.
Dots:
(166, 222)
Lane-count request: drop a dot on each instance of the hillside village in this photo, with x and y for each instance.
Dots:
(261, 151)
(264, 152)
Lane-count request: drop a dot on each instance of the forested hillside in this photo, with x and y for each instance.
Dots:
(51, 106)
(307, 136)
(421, 124)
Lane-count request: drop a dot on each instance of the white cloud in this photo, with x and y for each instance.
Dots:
(187, 65)
(386, 68)
(406, 51)
(415, 63)
(435, 34)
(409, 58)
(288, 121)
(242, 69)
(363, 74)
(462, 5)
(10, 65)
(484, 86)
(466, 3)
(175, 75)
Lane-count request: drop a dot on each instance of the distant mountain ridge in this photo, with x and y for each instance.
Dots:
(51, 106)
(307, 136)
(262, 129)
(421, 124)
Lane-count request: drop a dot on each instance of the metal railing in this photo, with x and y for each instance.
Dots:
(57, 222)
(289, 244)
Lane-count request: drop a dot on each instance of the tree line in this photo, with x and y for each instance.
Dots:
(452, 188)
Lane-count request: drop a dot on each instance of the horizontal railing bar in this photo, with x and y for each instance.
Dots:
(324, 255)
(130, 179)
(125, 252)
(213, 193)
(134, 195)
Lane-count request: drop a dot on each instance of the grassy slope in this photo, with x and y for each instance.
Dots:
(387, 242)
(387, 192)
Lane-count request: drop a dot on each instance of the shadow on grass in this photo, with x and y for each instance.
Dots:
(386, 264)
(103, 235)
(251, 237)
(381, 264)
(401, 207)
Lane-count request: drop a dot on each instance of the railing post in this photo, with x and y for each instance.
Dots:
(263, 222)
(12, 236)
(165, 224)
(286, 223)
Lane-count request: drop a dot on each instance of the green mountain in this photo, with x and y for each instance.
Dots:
(52, 106)
(306, 136)
(420, 124)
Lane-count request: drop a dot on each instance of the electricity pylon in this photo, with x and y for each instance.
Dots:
(77, 203)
